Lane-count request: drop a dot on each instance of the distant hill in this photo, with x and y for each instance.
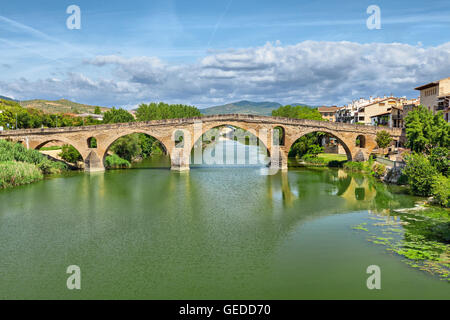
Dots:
(246, 107)
(7, 98)
(60, 106)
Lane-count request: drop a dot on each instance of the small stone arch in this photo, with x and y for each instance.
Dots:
(179, 139)
(281, 135)
(92, 143)
(360, 141)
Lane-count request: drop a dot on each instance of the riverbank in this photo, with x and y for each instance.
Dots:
(19, 166)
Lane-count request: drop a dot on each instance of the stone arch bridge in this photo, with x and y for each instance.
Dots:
(167, 132)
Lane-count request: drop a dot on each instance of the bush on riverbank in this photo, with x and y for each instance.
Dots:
(371, 168)
(14, 173)
(10, 151)
(115, 162)
(441, 190)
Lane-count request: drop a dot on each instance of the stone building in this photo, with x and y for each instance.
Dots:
(328, 113)
(436, 96)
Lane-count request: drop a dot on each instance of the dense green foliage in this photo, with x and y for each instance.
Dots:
(425, 131)
(425, 176)
(420, 173)
(13, 173)
(441, 190)
(440, 159)
(117, 116)
(297, 112)
(19, 165)
(10, 151)
(309, 145)
(13, 113)
(70, 154)
(114, 161)
(127, 147)
(159, 111)
(383, 139)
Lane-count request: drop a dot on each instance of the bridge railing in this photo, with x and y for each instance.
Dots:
(390, 163)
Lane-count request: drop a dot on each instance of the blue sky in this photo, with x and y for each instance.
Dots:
(211, 52)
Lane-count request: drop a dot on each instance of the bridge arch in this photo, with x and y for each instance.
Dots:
(345, 144)
(60, 141)
(107, 143)
(250, 133)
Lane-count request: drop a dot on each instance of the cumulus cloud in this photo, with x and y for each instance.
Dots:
(310, 72)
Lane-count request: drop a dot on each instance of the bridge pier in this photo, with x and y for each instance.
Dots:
(180, 162)
(279, 160)
(93, 163)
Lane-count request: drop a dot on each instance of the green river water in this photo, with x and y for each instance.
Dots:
(211, 233)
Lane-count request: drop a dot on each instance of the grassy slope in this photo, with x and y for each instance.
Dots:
(59, 106)
(332, 157)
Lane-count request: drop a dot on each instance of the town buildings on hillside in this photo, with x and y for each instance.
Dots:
(379, 111)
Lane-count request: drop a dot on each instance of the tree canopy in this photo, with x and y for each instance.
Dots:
(425, 131)
(28, 118)
(383, 139)
(159, 111)
(117, 116)
(297, 112)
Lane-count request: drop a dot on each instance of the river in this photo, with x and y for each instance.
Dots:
(212, 233)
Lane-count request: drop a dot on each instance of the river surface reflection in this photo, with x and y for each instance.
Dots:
(211, 233)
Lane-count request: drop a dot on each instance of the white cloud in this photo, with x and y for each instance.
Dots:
(311, 72)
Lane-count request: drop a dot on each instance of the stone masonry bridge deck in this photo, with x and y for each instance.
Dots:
(192, 129)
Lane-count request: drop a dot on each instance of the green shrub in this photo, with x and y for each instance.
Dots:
(420, 174)
(14, 173)
(310, 158)
(403, 180)
(354, 166)
(440, 159)
(441, 190)
(52, 167)
(70, 154)
(379, 170)
(114, 161)
(10, 151)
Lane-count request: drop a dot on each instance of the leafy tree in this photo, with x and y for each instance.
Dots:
(298, 112)
(159, 111)
(97, 110)
(425, 131)
(420, 173)
(70, 154)
(440, 159)
(117, 116)
(441, 190)
(383, 139)
(127, 147)
(309, 144)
